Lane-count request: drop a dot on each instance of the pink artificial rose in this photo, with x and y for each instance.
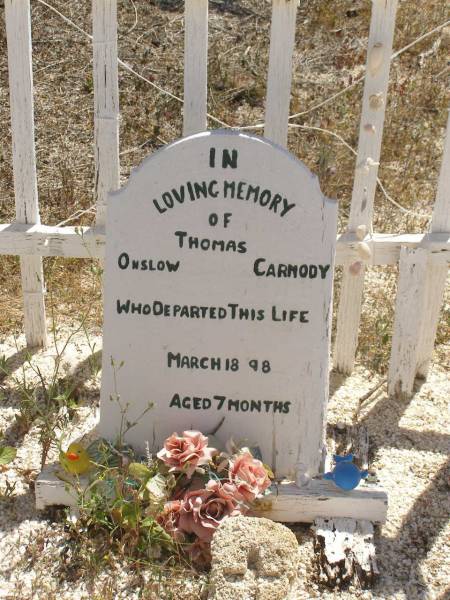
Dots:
(187, 452)
(203, 510)
(169, 519)
(249, 475)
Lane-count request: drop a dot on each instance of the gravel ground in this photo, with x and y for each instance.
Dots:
(409, 451)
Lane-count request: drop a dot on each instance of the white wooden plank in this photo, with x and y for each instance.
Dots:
(370, 137)
(386, 247)
(18, 30)
(106, 102)
(286, 502)
(282, 40)
(409, 309)
(436, 277)
(42, 240)
(441, 212)
(195, 66)
(88, 242)
(436, 280)
(50, 490)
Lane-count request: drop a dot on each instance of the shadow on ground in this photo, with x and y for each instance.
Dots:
(423, 523)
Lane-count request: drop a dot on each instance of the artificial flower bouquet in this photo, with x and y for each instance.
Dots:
(176, 499)
(210, 487)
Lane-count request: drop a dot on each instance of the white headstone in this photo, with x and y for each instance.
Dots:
(218, 287)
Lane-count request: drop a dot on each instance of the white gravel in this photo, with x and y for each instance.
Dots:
(409, 450)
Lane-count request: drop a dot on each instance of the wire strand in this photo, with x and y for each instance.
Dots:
(353, 151)
(258, 126)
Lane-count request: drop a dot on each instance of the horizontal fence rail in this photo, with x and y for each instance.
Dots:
(423, 257)
(89, 242)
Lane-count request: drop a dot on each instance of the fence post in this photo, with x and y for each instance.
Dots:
(195, 66)
(106, 103)
(370, 137)
(282, 40)
(436, 276)
(409, 310)
(18, 32)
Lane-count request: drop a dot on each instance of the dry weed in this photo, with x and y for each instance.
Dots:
(330, 54)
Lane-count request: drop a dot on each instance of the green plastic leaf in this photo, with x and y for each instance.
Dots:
(156, 487)
(7, 454)
(158, 533)
(148, 522)
(139, 471)
(130, 515)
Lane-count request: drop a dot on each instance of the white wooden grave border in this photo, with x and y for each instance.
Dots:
(195, 66)
(437, 275)
(106, 102)
(89, 242)
(31, 240)
(409, 312)
(420, 296)
(307, 499)
(378, 64)
(18, 31)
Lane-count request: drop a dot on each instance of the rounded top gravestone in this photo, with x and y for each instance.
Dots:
(218, 285)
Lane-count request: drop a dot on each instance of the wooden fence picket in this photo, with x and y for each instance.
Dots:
(195, 66)
(106, 103)
(282, 40)
(436, 276)
(18, 31)
(423, 258)
(370, 137)
(409, 310)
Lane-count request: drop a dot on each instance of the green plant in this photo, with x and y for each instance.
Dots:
(8, 492)
(4, 365)
(7, 454)
(121, 504)
(48, 401)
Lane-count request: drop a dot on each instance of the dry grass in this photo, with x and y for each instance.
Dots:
(330, 54)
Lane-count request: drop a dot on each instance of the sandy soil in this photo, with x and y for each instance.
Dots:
(409, 445)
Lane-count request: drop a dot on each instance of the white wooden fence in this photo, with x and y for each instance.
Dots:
(423, 258)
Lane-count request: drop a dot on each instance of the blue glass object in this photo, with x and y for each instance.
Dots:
(345, 474)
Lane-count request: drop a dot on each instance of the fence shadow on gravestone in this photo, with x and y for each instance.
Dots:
(420, 527)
